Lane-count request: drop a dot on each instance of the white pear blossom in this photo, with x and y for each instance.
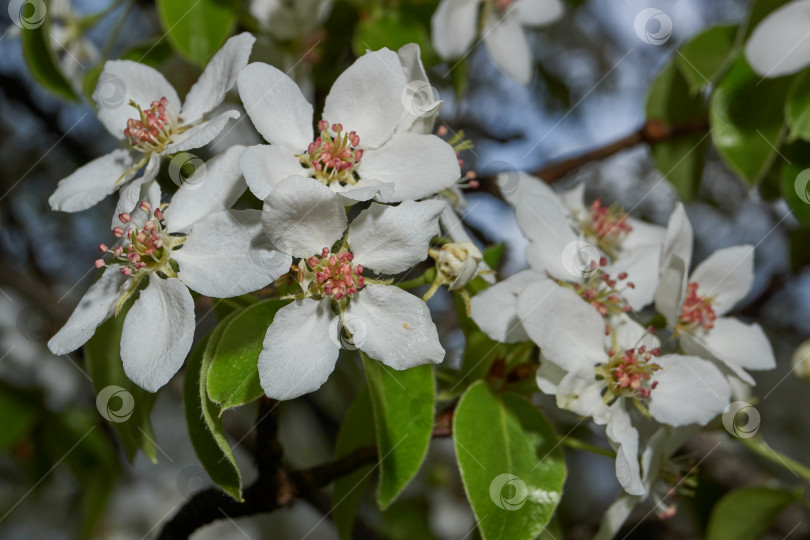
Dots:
(196, 243)
(305, 219)
(694, 305)
(362, 148)
(778, 45)
(457, 23)
(290, 20)
(608, 376)
(138, 106)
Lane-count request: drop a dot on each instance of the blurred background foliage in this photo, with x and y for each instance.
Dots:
(68, 472)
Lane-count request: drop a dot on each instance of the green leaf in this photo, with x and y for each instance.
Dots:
(152, 53)
(356, 431)
(197, 29)
(233, 378)
(407, 519)
(399, 401)
(758, 10)
(704, 56)
(102, 354)
(511, 465)
(204, 424)
(747, 513)
(493, 255)
(679, 159)
(18, 411)
(794, 179)
(389, 30)
(747, 119)
(797, 108)
(42, 62)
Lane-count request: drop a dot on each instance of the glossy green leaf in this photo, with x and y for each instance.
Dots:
(122, 403)
(233, 378)
(152, 53)
(407, 519)
(42, 62)
(390, 30)
(511, 464)
(747, 513)
(196, 30)
(747, 119)
(402, 402)
(679, 159)
(356, 431)
(794, 179)
(797, 108)
(702, 58)
(204, 424)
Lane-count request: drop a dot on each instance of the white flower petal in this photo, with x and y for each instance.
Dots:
(494, 310)
(568, 330)
(398, 329)
(617, 513)
(641, 265)
(551, 238)
(689, 391)
(538, 12)
(573, 199)
(671, 290)
(210, 189)
(677, 238)
(643, 234)
(417, 165)
(507, 45)
(227, 254)
(367, 98)
(157, 333)
(549, 376)
(420, 91)
(453, 27)
(201, 134)
(303, 216)
(90, 183)
(219, 77)
(299, 353)
(726, 276)
(264, 166)
(392, 239)
(276, 106)
(364, 190)
(736, 344)
(780, 44)
(516, 186)
(130, 196)
(96, 306)
(149, 192)
(581, 393)
(621, 432)
(123, 81)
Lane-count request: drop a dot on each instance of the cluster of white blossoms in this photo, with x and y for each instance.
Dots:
(594, 271)
(368, 146)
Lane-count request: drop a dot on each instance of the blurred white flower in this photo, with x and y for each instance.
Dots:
(362, 149)
(305, 219)
(456, 24)
(138, 106)
(197, 244)
(74, 51)
(290, 19)
(778, 45)
(694, 305)
(800, 362)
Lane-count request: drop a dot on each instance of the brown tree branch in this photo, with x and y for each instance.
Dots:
(653, 131)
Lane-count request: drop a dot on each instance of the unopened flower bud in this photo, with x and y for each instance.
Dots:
(801, 361)
(458, 263)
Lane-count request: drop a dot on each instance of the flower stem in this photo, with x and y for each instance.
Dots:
(424, 279)
(578, 444)
(761, 448)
